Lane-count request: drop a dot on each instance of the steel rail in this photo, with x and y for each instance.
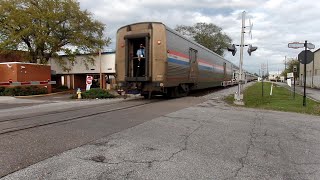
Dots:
(74, 118)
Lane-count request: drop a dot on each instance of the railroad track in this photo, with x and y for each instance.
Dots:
(39, 120)
(203, 92)
(20, 123)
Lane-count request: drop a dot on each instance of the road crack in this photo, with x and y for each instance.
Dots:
(184, 148)
(149, 163)
(253, 135)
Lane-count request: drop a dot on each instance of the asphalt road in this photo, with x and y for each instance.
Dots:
(207, 140)
(23, 148)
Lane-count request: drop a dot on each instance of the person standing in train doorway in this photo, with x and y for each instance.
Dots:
(141, 61)
(140, 52)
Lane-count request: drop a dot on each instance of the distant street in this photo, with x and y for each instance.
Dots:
(206, 140)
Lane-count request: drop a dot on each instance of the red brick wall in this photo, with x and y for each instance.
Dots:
(8, 71)
(33, 72)
(20, 72)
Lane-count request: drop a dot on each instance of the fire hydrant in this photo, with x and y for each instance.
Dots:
(79, 93)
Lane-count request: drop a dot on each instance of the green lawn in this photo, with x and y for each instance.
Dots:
(281, 99)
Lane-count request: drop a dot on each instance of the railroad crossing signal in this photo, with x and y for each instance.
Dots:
(233, 49)
(251, 49)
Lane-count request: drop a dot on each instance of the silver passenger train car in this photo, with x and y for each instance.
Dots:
(171, 64)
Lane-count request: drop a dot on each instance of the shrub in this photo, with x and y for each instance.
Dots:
(2, 90)
(95, 93)
(22, 90)
(60, 88)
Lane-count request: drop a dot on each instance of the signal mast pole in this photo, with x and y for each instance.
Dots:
(239, 96)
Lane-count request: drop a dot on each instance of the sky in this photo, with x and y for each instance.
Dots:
(275, 23)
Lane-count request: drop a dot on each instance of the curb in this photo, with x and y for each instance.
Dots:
(43, 95)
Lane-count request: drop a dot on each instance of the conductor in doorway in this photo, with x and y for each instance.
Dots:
(141, 61)
(140, 52)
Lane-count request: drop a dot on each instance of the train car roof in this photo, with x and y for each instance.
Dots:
(140, 23)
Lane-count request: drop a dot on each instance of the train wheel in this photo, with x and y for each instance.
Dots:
(171, 93)
(175, 92)
(147, 94)
(183, 93)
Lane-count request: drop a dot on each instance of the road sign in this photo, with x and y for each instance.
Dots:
(89, 80)
(295, 45)
(310, 57)
(310, 46)
(290, 75)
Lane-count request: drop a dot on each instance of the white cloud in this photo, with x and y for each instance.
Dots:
(276, 22)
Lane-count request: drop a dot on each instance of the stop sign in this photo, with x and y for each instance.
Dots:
(310, 57)
(89, 80)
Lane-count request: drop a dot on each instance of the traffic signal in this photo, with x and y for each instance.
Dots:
(233, 49)
(294, 68)
(251, 49)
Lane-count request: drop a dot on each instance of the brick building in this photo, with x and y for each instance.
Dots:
(73, 74)
(19, 73)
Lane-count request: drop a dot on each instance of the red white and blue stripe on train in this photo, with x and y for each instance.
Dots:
(182, 59)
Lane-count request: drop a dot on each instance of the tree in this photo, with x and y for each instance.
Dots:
(47, 27)
(292, 62)
(208, 35)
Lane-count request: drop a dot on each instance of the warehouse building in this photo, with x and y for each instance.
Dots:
(312, 72)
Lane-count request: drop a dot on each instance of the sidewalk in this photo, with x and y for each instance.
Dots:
(312, 93)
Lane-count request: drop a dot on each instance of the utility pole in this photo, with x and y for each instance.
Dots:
(285, 62)
(239, 96)
(263, 67)
(267, 69)
(100, 71)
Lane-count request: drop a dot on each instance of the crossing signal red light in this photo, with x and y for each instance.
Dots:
(233, 49)
(251, 49)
